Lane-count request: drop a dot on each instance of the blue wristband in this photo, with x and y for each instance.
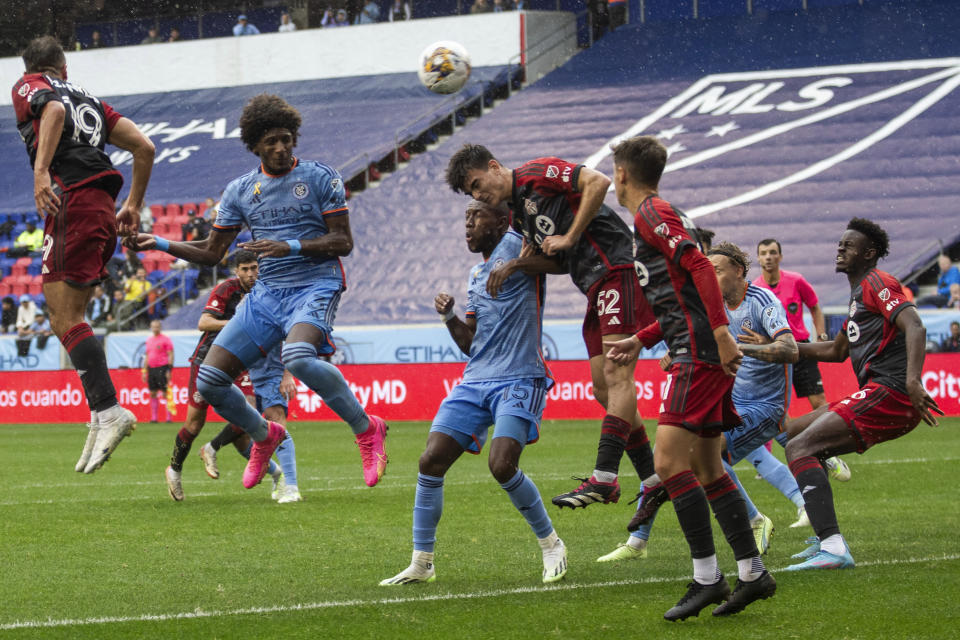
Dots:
(294, 247)
(162, 244)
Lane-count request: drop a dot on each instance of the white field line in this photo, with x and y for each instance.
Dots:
(330, 604)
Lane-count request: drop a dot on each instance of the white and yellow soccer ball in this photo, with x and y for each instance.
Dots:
(444, 67)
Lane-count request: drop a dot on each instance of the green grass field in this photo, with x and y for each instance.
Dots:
(111, 555)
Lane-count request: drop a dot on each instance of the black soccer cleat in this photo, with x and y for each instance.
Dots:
(697, 597)
(650, 503)
(589, 491)
(747, 592)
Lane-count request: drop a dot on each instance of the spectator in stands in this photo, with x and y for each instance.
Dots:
(25, 314)
(40, 329)
(399, 10)
(244, 28)
(152, 37)
(174, 35)
(29, 241)
(118, 311)
(499, 6)
(286, 24)
(195, 228)
(131, 265)
(135, 290)
(96, 42)
(599, 17)
(370, 13)
(146, 219)
(480, 6)
(951, 344)
(98, 307)
(6, 229)
(949, 275)
(8, 315)
(334, 20)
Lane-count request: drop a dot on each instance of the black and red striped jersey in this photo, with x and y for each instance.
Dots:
(662, 233)
(878, 349)
(79, 159)
(544, 203)
(221, 304)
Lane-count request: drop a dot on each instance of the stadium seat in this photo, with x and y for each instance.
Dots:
(187, 206)
(35, 289)
(173, 210)
(157, 211)
(36, 266)
(156, 276)
(17, 290)
(20, 267)
(4, 288)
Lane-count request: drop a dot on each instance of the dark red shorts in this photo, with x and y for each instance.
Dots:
(81, 238)
(194, 399)
(699, 398)
(615, 305)
(876, 414)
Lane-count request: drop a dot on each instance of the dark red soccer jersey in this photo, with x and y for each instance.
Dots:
(545, 201)
(79, 159)
(878, 349)
(662, 234)
(221, 304)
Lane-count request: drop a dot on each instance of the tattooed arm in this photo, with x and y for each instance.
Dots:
(782, 349)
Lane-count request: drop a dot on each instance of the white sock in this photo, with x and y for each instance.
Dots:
(109, 415)
(604, 476)
(549, 542)
(652, 481)
(757, 519)
(749, 569)
(834, 544)
(705, 570)
(636, 543)
(422, 560)
(94, 419)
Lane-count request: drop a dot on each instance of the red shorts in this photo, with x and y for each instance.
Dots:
(81, 238)
(615, 305)
(876, 414)
(194, 399)
(699, 398)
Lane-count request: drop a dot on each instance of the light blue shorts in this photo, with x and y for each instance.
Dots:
(761, 422)
(265, 316)
(471, 407)
(266, 376)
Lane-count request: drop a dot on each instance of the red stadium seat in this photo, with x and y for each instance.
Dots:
(25, 279)
(20, 267)
(201, 208)
(186, 206)
(35, 289)
(18, 290)
(4, 288)
(173, 210)
(157, 211)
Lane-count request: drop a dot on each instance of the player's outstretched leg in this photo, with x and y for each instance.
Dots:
(635, 548)
(651, 497)
(837, 468)
(260, 455)
(208, 452)
(590, 490)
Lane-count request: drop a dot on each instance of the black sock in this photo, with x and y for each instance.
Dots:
(640, 453)
(181, 449)
(88, 359)
(226, 436)
(690, 503)
(817, 495)
(730, 510)
(613, 440)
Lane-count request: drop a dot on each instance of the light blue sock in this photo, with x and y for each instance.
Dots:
(300, 359)
(287, 455)
(644, 531)
(776, 473)
(526, 498)
(752, 510)
(218, 389)
(271, 468)
(427, 509)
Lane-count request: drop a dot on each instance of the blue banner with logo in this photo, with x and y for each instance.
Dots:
(30, 359)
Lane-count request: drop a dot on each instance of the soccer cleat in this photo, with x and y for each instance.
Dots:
(209, 456)
(109, 435)
(825, 560)
(837, 469)
(421, 569)
(802, 519)
(650, 502)
(588, 492)
(278, 485)
(624, 552)
(747, 592)
(697, 597)
(810, 551)
(762, 532)
(289, 493)
(87, 448)
(173, 484)
(555, 562)
(260, 455)
(372, 453)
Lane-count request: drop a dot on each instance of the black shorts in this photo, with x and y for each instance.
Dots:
(806, 377)
(157, 378)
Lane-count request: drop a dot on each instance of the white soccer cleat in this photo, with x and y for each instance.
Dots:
(554, 559)
(87, 447)
(112, 430)
(174, 486)
(421, 569)
(209, 456)
(289, 493)
(837, 469)
(802, 519)
(625, 551)
(278, 485)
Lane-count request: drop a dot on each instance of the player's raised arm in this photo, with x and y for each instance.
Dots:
(782, 349)
(462, 331)
(593, 187)
(128, 137)
(208, 251)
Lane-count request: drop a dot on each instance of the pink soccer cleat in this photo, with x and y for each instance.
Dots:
(260, 455)
(371, 451)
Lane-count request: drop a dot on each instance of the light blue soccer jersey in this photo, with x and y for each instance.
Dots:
(294, 206)
(507, 340)
(758, 381)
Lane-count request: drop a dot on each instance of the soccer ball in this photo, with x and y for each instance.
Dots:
(444, 67)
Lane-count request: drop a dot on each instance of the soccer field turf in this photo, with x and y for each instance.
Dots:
(111, 555)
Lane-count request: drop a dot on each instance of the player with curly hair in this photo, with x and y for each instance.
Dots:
(297, 213)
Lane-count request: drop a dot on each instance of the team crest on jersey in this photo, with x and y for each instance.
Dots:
(530, 207)
(853, 308)
(545, 225)
(853, 331)
(747, 324)
(884, 294)
(215, 303)
(553, 172)
(643, 274)
(499, 263)
(336, 184)
(662, 230)
(24, 90)
(301, 190)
